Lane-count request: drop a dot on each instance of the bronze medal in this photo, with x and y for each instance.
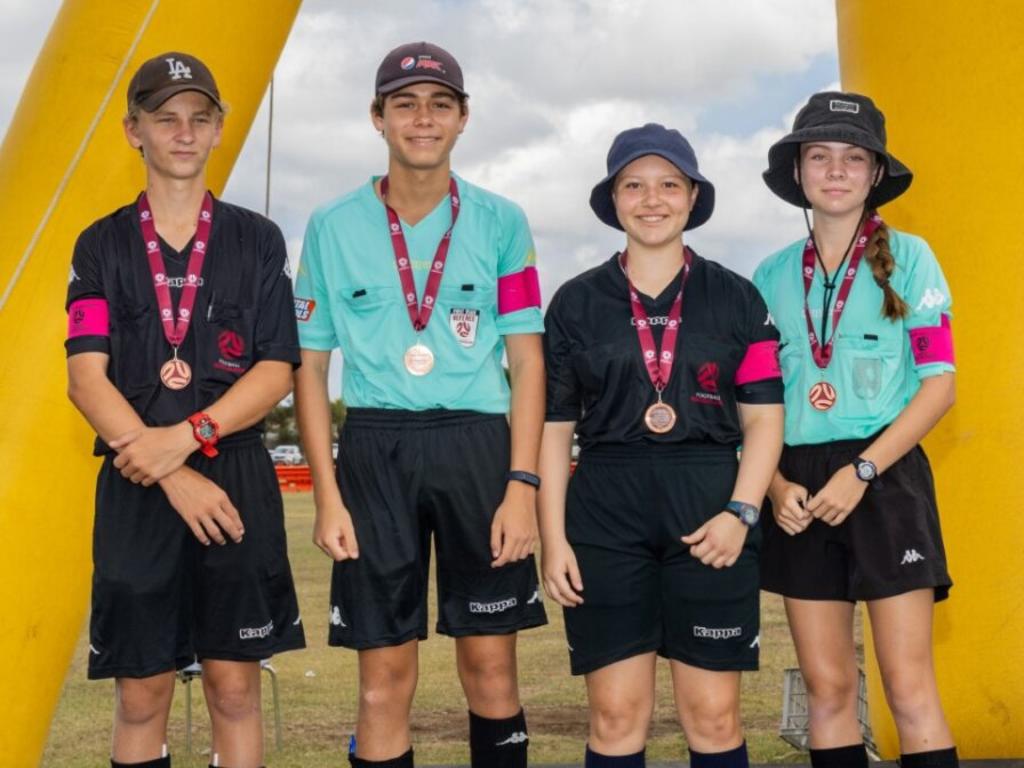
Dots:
(175, 373)
(660, 418)
(419, 360)
(822, 396)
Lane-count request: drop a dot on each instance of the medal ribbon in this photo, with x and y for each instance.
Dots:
(823, 354)
(658, 363)
(419, 314)
(175, 331)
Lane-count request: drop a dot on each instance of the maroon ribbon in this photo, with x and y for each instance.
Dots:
(658, 363)
(419, 314)
(176, 330)
(823, 354)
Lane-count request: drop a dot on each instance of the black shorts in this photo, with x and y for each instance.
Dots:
(405, 475)
(890, 544)
(161, 600)
(643, 591)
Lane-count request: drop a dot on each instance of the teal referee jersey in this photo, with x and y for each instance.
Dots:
(877, 365)
(348, 296)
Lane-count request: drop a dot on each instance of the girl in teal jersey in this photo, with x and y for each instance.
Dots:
(867, 360)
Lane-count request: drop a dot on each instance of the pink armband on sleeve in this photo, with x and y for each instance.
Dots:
(761, 362)
(88, 317)
(933, 344)
(520, 290)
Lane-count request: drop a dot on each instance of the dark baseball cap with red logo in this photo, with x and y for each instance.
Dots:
(418, 63)
(167, 75)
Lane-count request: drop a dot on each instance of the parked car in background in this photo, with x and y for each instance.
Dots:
(287, 454)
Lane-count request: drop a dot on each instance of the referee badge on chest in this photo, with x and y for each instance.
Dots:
(463, 323)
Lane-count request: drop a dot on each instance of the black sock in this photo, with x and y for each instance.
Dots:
(732, 758)
(597, 760)
(160, 762)
(498, 743)
(938, 758)
(402, 761)
(851, 756)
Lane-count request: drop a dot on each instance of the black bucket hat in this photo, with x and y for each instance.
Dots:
(652, 139)
(835, 116)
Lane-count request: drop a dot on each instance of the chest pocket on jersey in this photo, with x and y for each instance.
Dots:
(867, 364)
(137, 345)
(709, 370)
(227, 344)
(468, 311)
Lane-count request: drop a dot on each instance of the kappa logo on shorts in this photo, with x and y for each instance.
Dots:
(304, 309)
(499, 606)
(535, 597)
(756, 643)
(911, 556)
(256, 633)
(92, 650)
(717, 633)
(336, 617)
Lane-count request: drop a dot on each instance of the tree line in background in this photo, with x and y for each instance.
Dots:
(281, 428)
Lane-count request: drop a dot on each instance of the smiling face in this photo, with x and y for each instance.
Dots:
(836, 177)
(421, 124)
(653, 200)
(176, 138)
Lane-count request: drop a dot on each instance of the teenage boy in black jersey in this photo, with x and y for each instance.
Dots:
(181, 337)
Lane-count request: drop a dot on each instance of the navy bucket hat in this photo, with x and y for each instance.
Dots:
(652, 139)
(849, 118)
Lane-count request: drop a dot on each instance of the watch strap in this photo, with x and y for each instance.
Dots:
(206, 431)
(747, 513)
(524, 477)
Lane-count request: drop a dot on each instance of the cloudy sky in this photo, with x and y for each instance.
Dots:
(551, 83)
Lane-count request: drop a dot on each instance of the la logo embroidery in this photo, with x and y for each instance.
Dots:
(178, 70)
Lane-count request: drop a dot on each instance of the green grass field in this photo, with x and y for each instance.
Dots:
(318, 692)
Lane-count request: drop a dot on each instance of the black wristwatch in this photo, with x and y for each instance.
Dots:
(524, 477)
(866, 470)
(747, 513)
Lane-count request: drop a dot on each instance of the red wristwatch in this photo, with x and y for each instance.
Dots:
(206, 432)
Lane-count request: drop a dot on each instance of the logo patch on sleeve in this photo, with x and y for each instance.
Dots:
(304, 309)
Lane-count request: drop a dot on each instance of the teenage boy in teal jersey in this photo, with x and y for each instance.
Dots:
(424, 282)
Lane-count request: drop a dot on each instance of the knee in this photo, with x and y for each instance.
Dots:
(615, 722)
(832, 692)
(911, 695)
(387, 687)
(233, 697)
(492, 675)
(140, 701)
(714, 725)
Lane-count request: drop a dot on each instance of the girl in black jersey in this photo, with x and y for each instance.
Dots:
(663, 363)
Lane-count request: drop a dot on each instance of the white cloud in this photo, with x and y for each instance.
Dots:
(551, 83)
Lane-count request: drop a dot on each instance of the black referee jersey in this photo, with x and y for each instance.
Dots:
(244, 310)
(595, 368)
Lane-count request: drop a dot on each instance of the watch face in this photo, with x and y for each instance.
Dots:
(866, 470)
(206, 430)
(749, 516)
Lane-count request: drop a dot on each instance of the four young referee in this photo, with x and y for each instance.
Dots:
(183, 332)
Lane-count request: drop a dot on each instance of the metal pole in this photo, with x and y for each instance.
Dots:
(270, 148)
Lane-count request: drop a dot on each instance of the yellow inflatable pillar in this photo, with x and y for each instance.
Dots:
(947, 76)
(63, 164)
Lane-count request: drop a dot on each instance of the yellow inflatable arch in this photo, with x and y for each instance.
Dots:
(948, 77)
(63, 164)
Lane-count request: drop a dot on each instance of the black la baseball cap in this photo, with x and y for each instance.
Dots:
(167, 75)
(418, 63)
